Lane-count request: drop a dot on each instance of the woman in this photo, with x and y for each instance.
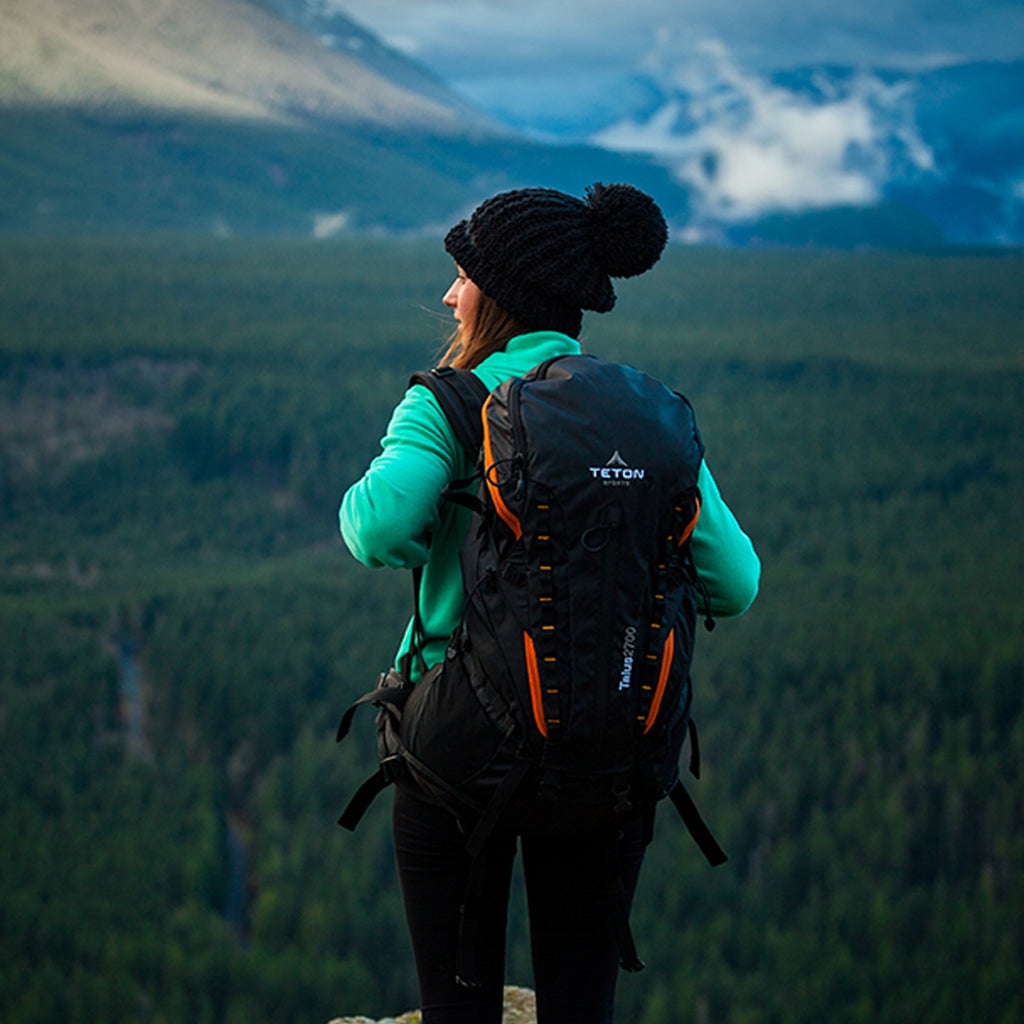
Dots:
(528, 263)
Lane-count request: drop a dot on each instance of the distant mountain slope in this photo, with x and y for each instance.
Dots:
(248, 116)
(223, 58)
(339, 32)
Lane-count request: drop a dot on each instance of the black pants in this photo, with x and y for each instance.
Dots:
(573, 944)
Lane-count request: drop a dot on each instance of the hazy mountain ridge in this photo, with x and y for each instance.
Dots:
(338, 32)
(220, 58)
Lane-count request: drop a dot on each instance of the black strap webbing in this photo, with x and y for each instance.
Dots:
(461, 394)
(628, 958)
(364, 796)
(418, 640)
(469, 924)
(394, 696)
(499, 801)
(695, 823)
(476, 847)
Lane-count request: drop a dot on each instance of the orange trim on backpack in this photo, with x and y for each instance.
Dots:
(533, 674)
(499, 503)
(666, 664)
(693, 522)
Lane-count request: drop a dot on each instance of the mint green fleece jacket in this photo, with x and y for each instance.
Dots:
(393, 515)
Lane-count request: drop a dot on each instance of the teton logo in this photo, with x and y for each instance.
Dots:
(616, 472)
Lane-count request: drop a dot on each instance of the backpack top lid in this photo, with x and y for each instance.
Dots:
(588, 434)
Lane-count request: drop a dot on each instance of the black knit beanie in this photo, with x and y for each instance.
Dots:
(545, 256)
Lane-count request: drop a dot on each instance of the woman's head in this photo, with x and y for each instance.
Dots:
(542, 257)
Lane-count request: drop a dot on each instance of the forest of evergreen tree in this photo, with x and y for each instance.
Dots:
(180, 628)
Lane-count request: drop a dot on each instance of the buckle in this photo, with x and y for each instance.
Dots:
(393, 767)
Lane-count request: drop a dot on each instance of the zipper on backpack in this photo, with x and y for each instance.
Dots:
(493, 486)
(667, 655)
(533, 676)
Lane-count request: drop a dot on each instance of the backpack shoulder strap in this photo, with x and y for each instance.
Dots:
(461, 395)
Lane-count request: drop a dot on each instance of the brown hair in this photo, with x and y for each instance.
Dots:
(491, 330)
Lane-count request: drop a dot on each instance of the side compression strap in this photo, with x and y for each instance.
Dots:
(628, 959)
(695, 823)
(476, 847)
(364, 796)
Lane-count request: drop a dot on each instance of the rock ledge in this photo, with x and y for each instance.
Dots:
(520, 1008)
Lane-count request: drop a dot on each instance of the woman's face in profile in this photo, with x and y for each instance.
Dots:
(462, 298)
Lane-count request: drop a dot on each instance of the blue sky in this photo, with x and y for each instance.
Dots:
(470, 40)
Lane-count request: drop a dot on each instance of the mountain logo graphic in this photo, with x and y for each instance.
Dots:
(616, 472)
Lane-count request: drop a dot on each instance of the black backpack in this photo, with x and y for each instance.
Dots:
(563, 700)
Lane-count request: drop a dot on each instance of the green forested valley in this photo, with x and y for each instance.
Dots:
(180, 628)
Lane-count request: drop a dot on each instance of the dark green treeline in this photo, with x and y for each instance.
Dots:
(180, 629)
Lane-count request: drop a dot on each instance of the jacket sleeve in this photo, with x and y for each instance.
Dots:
(388, 515)
(723, 553)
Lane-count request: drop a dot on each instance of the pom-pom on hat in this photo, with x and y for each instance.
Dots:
(545, 256)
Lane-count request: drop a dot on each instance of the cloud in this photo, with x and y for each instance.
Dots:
(747, 145)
